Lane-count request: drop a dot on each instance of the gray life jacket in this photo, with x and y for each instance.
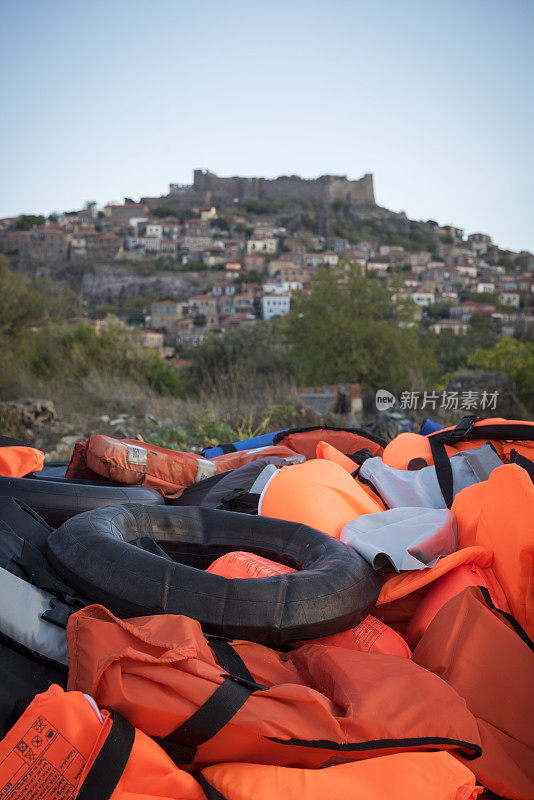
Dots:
(407, 488)
(32, 618)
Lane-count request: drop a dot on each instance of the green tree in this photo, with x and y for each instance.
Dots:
(438, 311)
(26, 221)
(163, 211)
(349, 329)
(512, 357)
(452, 351)
(21, 304)
(240, 356)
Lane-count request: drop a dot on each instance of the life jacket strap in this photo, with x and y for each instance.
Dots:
(238, 684)
(210, 791)
(463, 429)
(228, 448)
(107, 768)
(443, 468)
(523, 461)
(41, 574)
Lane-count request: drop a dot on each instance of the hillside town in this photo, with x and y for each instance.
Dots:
(254, 255)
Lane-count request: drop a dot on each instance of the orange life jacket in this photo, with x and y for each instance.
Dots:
(495, 535)
(239, 564)
(130, 461)
(63, 747)
(319, 493)
(346, 440)
(489, 659)
(506, 525)
(402, 594)
(215, 702)
(402, 776)
(413, 451)
(443, 590)
(325, 450)
(18, 460)
(370, 635)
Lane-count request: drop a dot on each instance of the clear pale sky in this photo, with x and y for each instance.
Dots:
(102, 99)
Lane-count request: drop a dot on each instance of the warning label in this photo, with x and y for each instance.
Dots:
(43, 765)
(367, 632)
(136, 455)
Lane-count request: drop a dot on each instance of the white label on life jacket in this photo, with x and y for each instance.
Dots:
(136, 455)
(206, 469)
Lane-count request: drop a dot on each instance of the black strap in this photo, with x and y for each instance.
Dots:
(228, 658)
(523, 461)
(228, 448)
(463, 429)
(41, 574)
(278, 437)
(443, 467)
(106, 771)
(210, 791)
(518, 628)
(181, 745)
(359, 456)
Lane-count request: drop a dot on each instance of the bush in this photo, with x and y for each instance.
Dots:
(349, 330)
(56, 353)
(515, 359)
(26, 221)
(163, 211)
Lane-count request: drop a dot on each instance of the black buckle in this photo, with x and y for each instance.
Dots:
(256, 687)
(463, 429)
(58, 613)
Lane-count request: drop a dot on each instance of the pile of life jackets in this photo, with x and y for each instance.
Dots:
(422, 689)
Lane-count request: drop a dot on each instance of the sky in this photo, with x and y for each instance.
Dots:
(111, 98)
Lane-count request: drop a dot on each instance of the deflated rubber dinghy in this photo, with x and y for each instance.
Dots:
(333, 590)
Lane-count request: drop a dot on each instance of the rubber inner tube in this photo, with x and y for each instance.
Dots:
(57, 500)
(334, 590)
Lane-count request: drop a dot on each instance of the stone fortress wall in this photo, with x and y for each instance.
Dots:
(210, 188)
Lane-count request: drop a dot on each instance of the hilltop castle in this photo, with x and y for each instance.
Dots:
(209, 188)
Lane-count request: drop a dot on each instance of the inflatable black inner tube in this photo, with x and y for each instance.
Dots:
(334, 590)
(57, 500)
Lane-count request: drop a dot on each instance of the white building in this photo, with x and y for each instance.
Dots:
(150, 244)
(510, 298)
(275, 305)
(423, 298)
(154, 229)
(267, 245)
(285, 287)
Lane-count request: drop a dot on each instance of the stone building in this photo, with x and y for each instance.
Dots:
(208, 188)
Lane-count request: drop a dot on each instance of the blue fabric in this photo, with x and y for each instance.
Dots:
(429, 426)
(247, 444)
